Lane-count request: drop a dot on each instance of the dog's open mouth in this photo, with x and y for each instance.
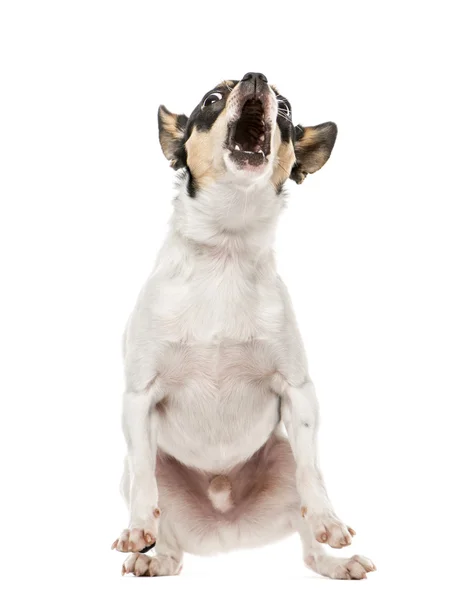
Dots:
(249, 140)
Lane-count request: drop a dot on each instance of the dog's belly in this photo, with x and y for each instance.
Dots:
(263, 500)
(219, 408)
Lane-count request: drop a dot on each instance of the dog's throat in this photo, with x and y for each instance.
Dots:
(249, 134)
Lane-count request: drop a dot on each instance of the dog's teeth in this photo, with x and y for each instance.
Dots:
(262, 137)
(237, 147)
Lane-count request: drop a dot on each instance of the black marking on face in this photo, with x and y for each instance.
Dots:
(181, 121)
(191, 185)
(181, 157)
(185, 179)
(209, 108)
(203, 118)
(284, 118)
(299, 133)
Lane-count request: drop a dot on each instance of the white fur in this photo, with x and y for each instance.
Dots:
(213, 337)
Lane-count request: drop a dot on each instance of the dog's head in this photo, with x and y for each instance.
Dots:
(243, 130)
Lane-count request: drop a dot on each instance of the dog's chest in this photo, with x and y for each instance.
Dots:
(220, 328)
(219, 299)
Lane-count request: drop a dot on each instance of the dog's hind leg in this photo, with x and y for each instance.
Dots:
(317, 559)
(144, 565)
(165, 560)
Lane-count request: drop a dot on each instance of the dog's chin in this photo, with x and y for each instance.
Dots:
(245, 165)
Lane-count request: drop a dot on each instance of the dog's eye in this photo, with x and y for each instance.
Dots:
(283, 108)
(211, 98)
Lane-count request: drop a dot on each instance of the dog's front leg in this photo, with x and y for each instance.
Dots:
(300, 413)
(140, 433)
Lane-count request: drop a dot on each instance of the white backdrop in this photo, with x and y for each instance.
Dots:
(85, 198)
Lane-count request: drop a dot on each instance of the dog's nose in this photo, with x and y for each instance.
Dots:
(260, 76)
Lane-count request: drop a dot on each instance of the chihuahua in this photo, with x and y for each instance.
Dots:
(220, 415)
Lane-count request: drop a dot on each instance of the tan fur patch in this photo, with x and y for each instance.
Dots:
(228, 83)
(284, 159)
(169, 123)
(204, 150)
(308, 138)
(284, 162)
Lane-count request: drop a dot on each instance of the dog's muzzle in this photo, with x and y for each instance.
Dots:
(250, 124)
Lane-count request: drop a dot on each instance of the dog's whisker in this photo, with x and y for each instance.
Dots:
(285, 116)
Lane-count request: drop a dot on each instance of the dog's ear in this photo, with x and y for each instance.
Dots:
(313, 146)
(171, 133)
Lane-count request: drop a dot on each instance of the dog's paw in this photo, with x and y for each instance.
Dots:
(139, 539)
(142, 565)
(137, 564)
(328, 529)
(355, 567)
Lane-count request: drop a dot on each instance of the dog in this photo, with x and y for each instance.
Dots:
(219, 414)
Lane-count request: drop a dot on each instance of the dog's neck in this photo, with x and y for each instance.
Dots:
(227, 217)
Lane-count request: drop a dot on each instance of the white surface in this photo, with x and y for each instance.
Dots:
(381, 299)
